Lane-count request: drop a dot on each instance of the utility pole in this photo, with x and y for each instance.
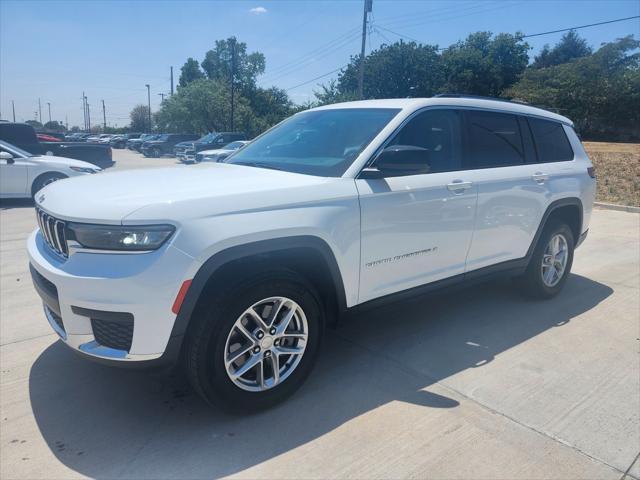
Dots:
(149, 103)
(161, 97)
(104, 116)
(88, 117)
(49, 105)
(368, 6)
(171, 80)
(40, 110)
(84, 113)
(13, 107)
(233, 73)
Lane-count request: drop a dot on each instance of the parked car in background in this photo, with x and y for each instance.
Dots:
(24, 137)
(210, 141)
(165, 143)
(136, 143)
(120, 141)
(22, 174)
(215, 155)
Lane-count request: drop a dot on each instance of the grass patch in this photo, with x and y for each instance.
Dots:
(618, 171)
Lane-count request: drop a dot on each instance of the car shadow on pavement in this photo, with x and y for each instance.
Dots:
(104, 422)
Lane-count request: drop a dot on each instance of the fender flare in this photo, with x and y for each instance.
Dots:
(218, 260)
(563, 202)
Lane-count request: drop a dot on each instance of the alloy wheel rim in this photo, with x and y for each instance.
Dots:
(266, 344)
(49, 181)
(554, 260)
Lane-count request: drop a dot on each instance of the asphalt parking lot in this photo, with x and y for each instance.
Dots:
(474, 384)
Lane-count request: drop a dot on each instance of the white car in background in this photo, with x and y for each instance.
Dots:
(216, 155)
(23, 174)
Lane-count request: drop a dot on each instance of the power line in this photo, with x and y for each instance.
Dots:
(441, 48)
(316, 78)
(581, 26)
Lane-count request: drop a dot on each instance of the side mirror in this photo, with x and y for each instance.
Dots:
(400, 160)
(7, 157)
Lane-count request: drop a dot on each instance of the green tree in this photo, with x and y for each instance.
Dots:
(570, 47)
(392, 71)
(599, 92)
(189, 72)
(230, 55)
(483, 64)
(139, 116)
(55, 126)
(34, 123)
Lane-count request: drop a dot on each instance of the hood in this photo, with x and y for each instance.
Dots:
(112, 196)
(216, 151)
(63, 161)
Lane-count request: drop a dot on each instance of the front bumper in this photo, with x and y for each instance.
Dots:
(132, 294)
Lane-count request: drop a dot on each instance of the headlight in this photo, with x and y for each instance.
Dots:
(124, 238)
(85, 170)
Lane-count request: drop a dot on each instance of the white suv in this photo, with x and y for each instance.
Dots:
(236, 268)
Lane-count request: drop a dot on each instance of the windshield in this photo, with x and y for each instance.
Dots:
(162, 138)
(320, 142)
(209, 137)
(234, 145)
(13, 150)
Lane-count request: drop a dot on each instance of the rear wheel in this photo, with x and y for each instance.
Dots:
(257, 342)
(550, 263)
(44, 180)
(156, 153)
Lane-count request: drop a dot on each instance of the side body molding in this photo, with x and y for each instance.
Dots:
(213, 264)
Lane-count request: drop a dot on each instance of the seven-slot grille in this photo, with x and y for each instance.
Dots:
(53, 232)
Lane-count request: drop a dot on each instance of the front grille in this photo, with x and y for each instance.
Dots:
(116, 335)
(53, 232)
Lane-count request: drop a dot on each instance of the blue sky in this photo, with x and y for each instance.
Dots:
(55, 50)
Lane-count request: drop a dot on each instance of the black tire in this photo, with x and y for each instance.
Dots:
(531, 283)
(207, 336)
(156, 153)
(44, 180)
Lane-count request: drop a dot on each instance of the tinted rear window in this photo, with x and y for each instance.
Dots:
(494, 140)
(551, 142)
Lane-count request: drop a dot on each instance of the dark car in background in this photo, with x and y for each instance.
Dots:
(120, 141)
(136, 143)
(165, 143)
(24, 136)
(211, 141)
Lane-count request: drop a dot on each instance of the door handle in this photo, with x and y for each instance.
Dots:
(458, 186)
(540, 177)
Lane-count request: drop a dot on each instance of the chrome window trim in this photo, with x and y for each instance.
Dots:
(424, 109)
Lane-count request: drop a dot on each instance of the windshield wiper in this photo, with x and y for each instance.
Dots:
(259, 165)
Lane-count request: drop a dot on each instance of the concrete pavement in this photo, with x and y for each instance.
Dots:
(475, 384)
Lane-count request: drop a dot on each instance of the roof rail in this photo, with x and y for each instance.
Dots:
(478, 97)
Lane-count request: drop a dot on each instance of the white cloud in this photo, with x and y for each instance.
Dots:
(258, 10)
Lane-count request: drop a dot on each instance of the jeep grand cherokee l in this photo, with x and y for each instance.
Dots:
(237, 267)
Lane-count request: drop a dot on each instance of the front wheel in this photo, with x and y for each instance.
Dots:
(550, 263)
(44, 180)
(257, 343)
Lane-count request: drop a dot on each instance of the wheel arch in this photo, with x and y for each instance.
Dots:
(309, 255)
(569, 210)
(35, 181)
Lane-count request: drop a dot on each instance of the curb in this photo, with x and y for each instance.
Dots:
(619, 208)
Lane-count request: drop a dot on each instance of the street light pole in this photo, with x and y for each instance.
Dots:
(149, 103)
(49, 105)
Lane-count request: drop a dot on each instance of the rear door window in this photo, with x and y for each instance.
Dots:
(550, 140)
(493, 140)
